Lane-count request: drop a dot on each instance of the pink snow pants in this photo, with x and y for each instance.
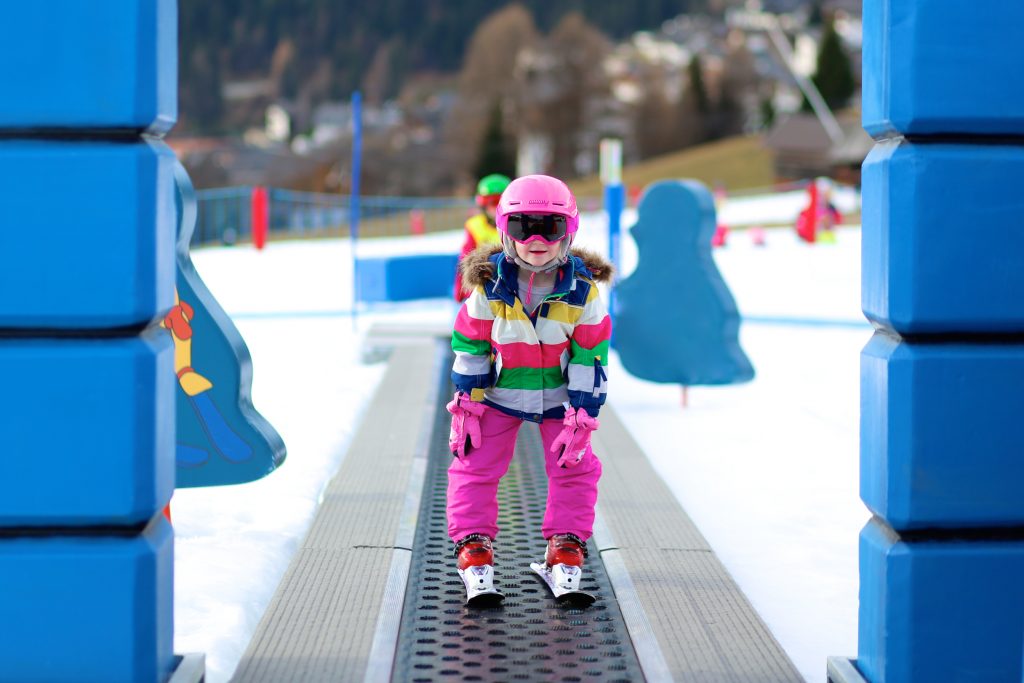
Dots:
(473, 482)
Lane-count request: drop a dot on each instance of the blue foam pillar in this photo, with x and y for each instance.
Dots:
(87, 269)
(614, 203)
(941, 436)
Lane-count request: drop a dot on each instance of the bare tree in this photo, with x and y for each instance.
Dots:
(740, 90)
(656, 123)
(485, 80)
(376, 79)
(282, 69)
(573, 91)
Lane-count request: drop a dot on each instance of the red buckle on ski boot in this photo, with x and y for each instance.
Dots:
(474, 550)
(565, 549)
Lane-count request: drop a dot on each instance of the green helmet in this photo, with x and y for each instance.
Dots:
(491, 185)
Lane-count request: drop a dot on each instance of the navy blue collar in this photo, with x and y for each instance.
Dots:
(506, 282)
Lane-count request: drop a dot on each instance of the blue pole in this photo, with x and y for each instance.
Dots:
(357, 148)
(614, 201)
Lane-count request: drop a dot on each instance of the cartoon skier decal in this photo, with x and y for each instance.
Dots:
(221, 439)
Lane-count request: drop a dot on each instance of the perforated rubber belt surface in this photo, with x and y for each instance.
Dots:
(530, 637)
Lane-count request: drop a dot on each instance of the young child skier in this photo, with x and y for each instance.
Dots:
(480, 228)
(530, 343)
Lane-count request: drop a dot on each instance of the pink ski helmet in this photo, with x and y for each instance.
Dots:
(537, 207)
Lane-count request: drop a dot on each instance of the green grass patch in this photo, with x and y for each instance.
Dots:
(737, 163)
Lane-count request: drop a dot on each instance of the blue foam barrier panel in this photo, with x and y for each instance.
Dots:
(88, 608)
(404, 278)
(87, 237)
(941, 67)
(942, 238)
(675, 318)
(939, 611)
(221, 437)
(101, 64)
(88, 430)
(941, 433)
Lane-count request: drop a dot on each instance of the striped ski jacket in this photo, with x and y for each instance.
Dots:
(529, 365)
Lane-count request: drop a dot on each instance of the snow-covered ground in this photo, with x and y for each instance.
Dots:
(782, 207)
(767, 470)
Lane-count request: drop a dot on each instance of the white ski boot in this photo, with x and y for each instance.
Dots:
(562, 569)
(475, 558)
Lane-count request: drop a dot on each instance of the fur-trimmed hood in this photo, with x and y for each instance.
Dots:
(477, 269)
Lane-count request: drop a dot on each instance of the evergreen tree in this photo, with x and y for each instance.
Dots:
(696, 88)
(767, 113)
(728, 117)
(834, 75)
(816, 17)
(695, 107)
(496, 153)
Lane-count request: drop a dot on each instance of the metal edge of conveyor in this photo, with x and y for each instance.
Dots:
(843, 670)
(645, 642)
(385, 638)
(189, 668)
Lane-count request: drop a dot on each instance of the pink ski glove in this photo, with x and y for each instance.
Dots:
(465, 424)
(574, 439)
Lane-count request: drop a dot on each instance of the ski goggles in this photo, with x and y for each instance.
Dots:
(546, 227)
(488, 201)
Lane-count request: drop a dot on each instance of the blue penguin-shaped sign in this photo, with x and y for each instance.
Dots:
(221, 439)
(675, 320)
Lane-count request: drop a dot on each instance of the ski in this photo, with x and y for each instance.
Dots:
(479, 582)
(563, 581)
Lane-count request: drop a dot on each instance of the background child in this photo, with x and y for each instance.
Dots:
(530, 343)
(481, 228)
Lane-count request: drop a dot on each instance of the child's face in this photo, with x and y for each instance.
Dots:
(537, 252)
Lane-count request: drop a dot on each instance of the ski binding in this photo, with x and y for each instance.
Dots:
(479, 582)
(564, 582)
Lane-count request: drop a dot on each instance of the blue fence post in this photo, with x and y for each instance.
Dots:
(614, 202)
(941, 563)
(357, 150)
(86, 557)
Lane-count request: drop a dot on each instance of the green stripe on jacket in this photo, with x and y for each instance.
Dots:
(530, 378)
(583, 356)
(461, 342)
